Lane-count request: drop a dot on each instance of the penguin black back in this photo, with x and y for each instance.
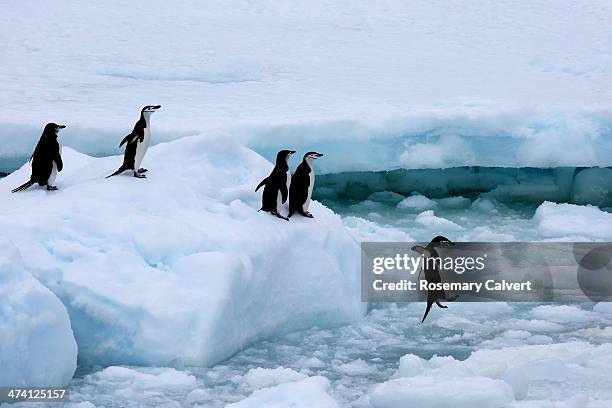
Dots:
(276, 184)
(46, 155)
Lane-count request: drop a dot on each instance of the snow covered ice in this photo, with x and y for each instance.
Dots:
(37, 347)
(179, 268)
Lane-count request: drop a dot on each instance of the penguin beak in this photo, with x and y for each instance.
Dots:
(319, 155)
(61, 126)
(291, 152)
(157, 107)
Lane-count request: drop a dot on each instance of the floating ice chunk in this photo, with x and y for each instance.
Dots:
(593, 186)
(364, 230)
(388, 197)
(83, 404)
(197, 396)
(356, 368)
(310, 362)
(409, 366)
(307, 393)
(603, 307)
(516, 334)
(546, 369)
(539, 339)
(518, 381)
(562, 314)
(416, 202)
(429, 220)
(484, 204)
(145, 378)
(535, 325)
(562, 220)
(258, 378)
(430, 392)
(367, 205)
(37, 346)
(142, 386)
(455, 202)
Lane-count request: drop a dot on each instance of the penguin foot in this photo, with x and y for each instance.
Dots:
(52, 188)
(279, 215)
(138, 175)
(141, 170)
(307, 214)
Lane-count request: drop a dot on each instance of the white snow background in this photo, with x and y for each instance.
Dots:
(174, 291)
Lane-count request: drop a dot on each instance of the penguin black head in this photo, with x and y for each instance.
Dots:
(431, 247)
(150, 108)
(283, 156)
(439, 239)
(310, 156)
(52, 129)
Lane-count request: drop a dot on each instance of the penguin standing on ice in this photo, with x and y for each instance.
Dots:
(137, 143)
(276, 185)
(302, 183)
(432, 274)
(46, 159)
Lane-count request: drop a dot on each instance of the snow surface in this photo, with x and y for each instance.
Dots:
(179, 268)
(403, 84)
(37, 347)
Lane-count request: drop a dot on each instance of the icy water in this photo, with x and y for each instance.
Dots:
(357, 358)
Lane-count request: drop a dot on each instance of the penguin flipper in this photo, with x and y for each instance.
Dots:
(263, 182)
(429, 304)
(441, 305)
(284, 193)
(58, 162)
(128, 139)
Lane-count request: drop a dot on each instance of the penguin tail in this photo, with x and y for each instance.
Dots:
(121, 170)
(263, 182)
(429, 304)
(22, 187)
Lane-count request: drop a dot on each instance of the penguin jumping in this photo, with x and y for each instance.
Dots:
(276, 185)
(46, 159)
(302, 183)
(432, 274)
(137, 143)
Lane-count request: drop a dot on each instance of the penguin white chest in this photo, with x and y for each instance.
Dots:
(141, 148)
(310, 187)
(53, 174)
(279, 198)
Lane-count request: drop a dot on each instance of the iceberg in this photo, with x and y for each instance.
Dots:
(37, 347)
(180, 268)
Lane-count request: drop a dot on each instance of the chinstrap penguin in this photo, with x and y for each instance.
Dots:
(276, 188)
(46, 159)
(302, 183)
(432, 274)
(137, 143)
